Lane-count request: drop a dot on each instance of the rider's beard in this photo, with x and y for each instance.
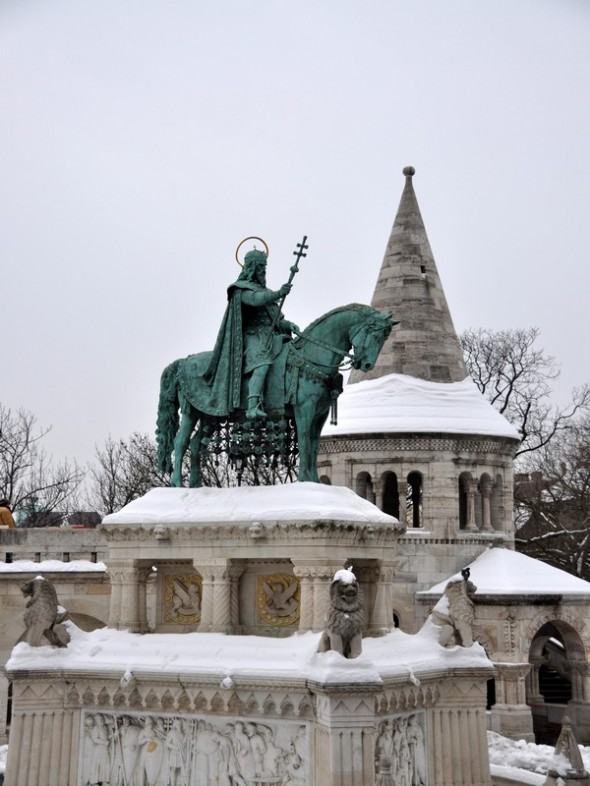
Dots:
(261, 277)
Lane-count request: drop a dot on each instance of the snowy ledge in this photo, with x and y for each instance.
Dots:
(215, 657)
(287, 502)
(52, 566)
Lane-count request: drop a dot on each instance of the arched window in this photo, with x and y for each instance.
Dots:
(364, 486)
(390, 493)
(414, 500)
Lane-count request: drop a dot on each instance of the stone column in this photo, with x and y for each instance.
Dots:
(125, 598)
(315, 581)
(511, 715)
(403, 501)
(144, 574)
(322, 579)
(380, 620)
(345, 735)
(216, 603)
(235, 574)
(534, 695)
(304, 574)
(469, 486)
(485, 488)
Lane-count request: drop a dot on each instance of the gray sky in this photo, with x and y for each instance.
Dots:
(141, 140)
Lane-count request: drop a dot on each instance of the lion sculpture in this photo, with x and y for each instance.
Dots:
(43, 620)
(454, 613)
(345, 618)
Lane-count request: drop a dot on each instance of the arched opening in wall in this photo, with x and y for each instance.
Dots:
(491, 693)
(465, 506)
(364, 486)
(556, 655)
(395, 619)
(414, 500)
(496, 504)
(390, 494)
(325, 480)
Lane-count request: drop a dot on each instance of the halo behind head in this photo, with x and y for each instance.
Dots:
(255, 250)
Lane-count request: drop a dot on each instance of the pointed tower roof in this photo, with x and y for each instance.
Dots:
(424, 344)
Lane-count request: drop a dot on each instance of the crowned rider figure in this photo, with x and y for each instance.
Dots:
(252, 333)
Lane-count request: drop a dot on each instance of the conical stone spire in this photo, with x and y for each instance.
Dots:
(425, 343)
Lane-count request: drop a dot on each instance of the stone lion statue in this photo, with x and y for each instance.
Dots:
(345, 618)
(454, 613)
(43, 621)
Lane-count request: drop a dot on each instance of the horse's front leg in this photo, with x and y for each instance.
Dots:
(195, 448)
(304, 416)
(181, 441)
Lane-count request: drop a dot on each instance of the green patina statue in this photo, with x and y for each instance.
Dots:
(261, 392)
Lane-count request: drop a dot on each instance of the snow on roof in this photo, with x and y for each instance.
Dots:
(52, 566)
(286, 502)
(397, 403)
(500, 571)
(219, 656)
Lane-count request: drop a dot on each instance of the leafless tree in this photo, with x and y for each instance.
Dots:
(29, 479)
(516, 377)
(123, 471)
(553, 502)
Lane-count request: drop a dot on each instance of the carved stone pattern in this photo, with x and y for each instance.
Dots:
(406, 698)
(261, 701)
(430, 444)
(126, 748)
(182, 595)
(342, 532)
(509, 630)
(278, 599)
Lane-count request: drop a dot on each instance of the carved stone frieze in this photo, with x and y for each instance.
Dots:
(342, 531)
(122, 748)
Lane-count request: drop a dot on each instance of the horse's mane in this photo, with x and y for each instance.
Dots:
(362, 309)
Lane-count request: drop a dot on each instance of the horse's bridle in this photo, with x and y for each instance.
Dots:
(354, 363)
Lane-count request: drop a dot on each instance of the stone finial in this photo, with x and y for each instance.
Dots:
(567, 767)
(43, 620)
(409, 171)
(344, 622)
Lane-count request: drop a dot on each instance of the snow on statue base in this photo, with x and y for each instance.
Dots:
(193, 707)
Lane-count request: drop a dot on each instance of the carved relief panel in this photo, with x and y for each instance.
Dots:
(170, 750)
(400, 751)
(278, 599)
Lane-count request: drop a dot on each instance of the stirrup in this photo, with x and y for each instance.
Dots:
(255, 411)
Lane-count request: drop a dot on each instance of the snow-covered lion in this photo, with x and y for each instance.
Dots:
(344, 621)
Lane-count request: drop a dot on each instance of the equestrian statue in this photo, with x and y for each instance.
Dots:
(266, 389)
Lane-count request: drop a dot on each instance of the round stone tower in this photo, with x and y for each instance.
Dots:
(414, 435)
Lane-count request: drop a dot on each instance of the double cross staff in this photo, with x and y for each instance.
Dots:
(301, 249)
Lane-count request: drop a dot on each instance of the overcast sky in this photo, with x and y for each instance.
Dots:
(141, 140)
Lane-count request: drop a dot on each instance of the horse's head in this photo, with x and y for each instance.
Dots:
(368, 337)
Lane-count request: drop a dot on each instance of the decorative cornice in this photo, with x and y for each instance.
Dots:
(438, 443)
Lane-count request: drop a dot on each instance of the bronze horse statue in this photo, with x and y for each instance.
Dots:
(306, 377)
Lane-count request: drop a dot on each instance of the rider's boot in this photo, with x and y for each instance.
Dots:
(255, 408)
(255, 388)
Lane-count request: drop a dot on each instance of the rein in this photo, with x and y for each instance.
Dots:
(322, 344)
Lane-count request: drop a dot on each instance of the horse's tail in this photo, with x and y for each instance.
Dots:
(167, 423)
